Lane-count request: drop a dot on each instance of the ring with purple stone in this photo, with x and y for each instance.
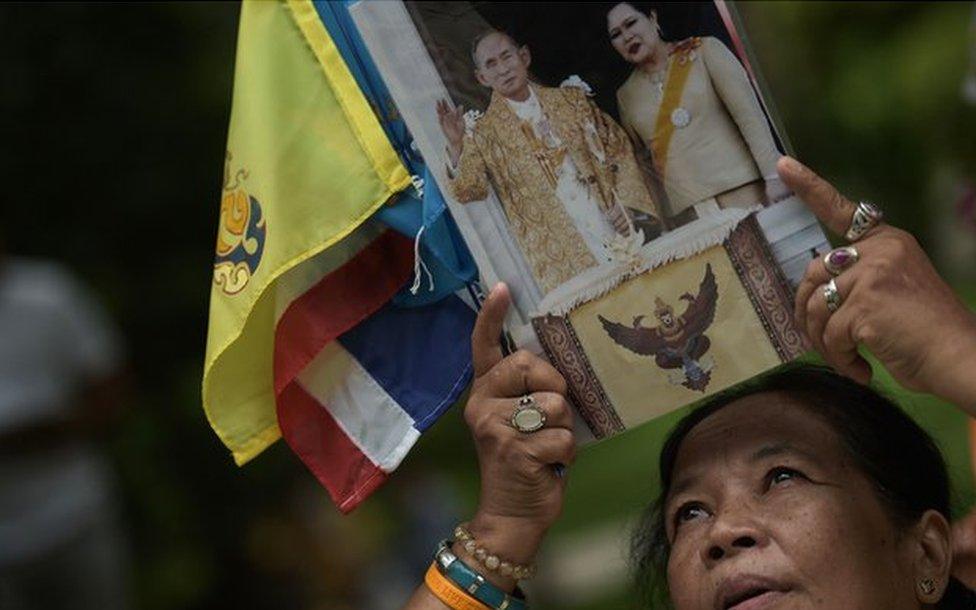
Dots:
(839, 259)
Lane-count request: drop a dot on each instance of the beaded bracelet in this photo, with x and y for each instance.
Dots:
(449, 593)
(489, 560)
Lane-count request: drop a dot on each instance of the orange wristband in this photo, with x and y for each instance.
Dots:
(449, 593)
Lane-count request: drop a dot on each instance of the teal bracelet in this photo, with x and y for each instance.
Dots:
(475, 584)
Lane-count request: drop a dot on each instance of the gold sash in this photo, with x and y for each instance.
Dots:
(674, 87)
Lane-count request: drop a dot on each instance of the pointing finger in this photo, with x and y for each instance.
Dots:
(826, 203)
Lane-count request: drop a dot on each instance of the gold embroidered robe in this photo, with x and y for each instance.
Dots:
(500, 152)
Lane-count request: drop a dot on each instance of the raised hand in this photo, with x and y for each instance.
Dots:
(521, 493)
(892, 301)
(451, 121)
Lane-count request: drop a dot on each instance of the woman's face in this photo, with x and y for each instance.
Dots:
(632, 33)
(767, 511)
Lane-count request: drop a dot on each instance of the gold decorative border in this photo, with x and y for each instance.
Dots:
(563, 347)
(771, 296)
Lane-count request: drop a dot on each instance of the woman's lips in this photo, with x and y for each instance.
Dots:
(633, 48)
(758, 602)
(749, 592)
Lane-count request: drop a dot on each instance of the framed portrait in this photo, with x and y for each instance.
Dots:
(614, 163)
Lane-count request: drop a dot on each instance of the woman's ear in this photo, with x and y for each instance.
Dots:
(933, 557)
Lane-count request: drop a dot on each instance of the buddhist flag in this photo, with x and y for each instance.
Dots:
(304, 339)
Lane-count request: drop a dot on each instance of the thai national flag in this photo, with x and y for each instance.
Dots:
(359, 378)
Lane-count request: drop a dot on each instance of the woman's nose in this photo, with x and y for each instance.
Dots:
(731, 534)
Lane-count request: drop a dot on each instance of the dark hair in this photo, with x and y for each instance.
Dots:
(894, 452)
(645, 8)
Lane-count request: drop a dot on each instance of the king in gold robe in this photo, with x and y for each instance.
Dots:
(558, 165)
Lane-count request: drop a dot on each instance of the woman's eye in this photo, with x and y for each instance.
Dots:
(689, 512)
(781, 475)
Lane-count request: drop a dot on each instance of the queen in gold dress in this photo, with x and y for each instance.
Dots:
(690, 107)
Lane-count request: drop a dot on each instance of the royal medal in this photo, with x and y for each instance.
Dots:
(680, 117)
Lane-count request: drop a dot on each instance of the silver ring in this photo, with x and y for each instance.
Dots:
(839, 259)
(527, 417)
(866, 217)
(832, 296)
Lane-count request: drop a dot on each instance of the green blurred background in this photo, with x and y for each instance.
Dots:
(116, 120)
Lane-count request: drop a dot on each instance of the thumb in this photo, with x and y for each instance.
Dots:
(826, 203)
(486, 346)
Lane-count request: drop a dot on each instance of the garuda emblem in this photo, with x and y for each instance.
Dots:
(677, 342)
(240, 234)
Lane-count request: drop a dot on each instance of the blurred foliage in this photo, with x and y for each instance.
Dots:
(870, 94)
(114, 142)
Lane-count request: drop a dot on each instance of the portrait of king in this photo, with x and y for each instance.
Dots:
(563, 170)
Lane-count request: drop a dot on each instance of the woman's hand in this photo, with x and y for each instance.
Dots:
(521, 493)
(893, 303)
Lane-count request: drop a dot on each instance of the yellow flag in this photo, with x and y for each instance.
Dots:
(307, 162)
